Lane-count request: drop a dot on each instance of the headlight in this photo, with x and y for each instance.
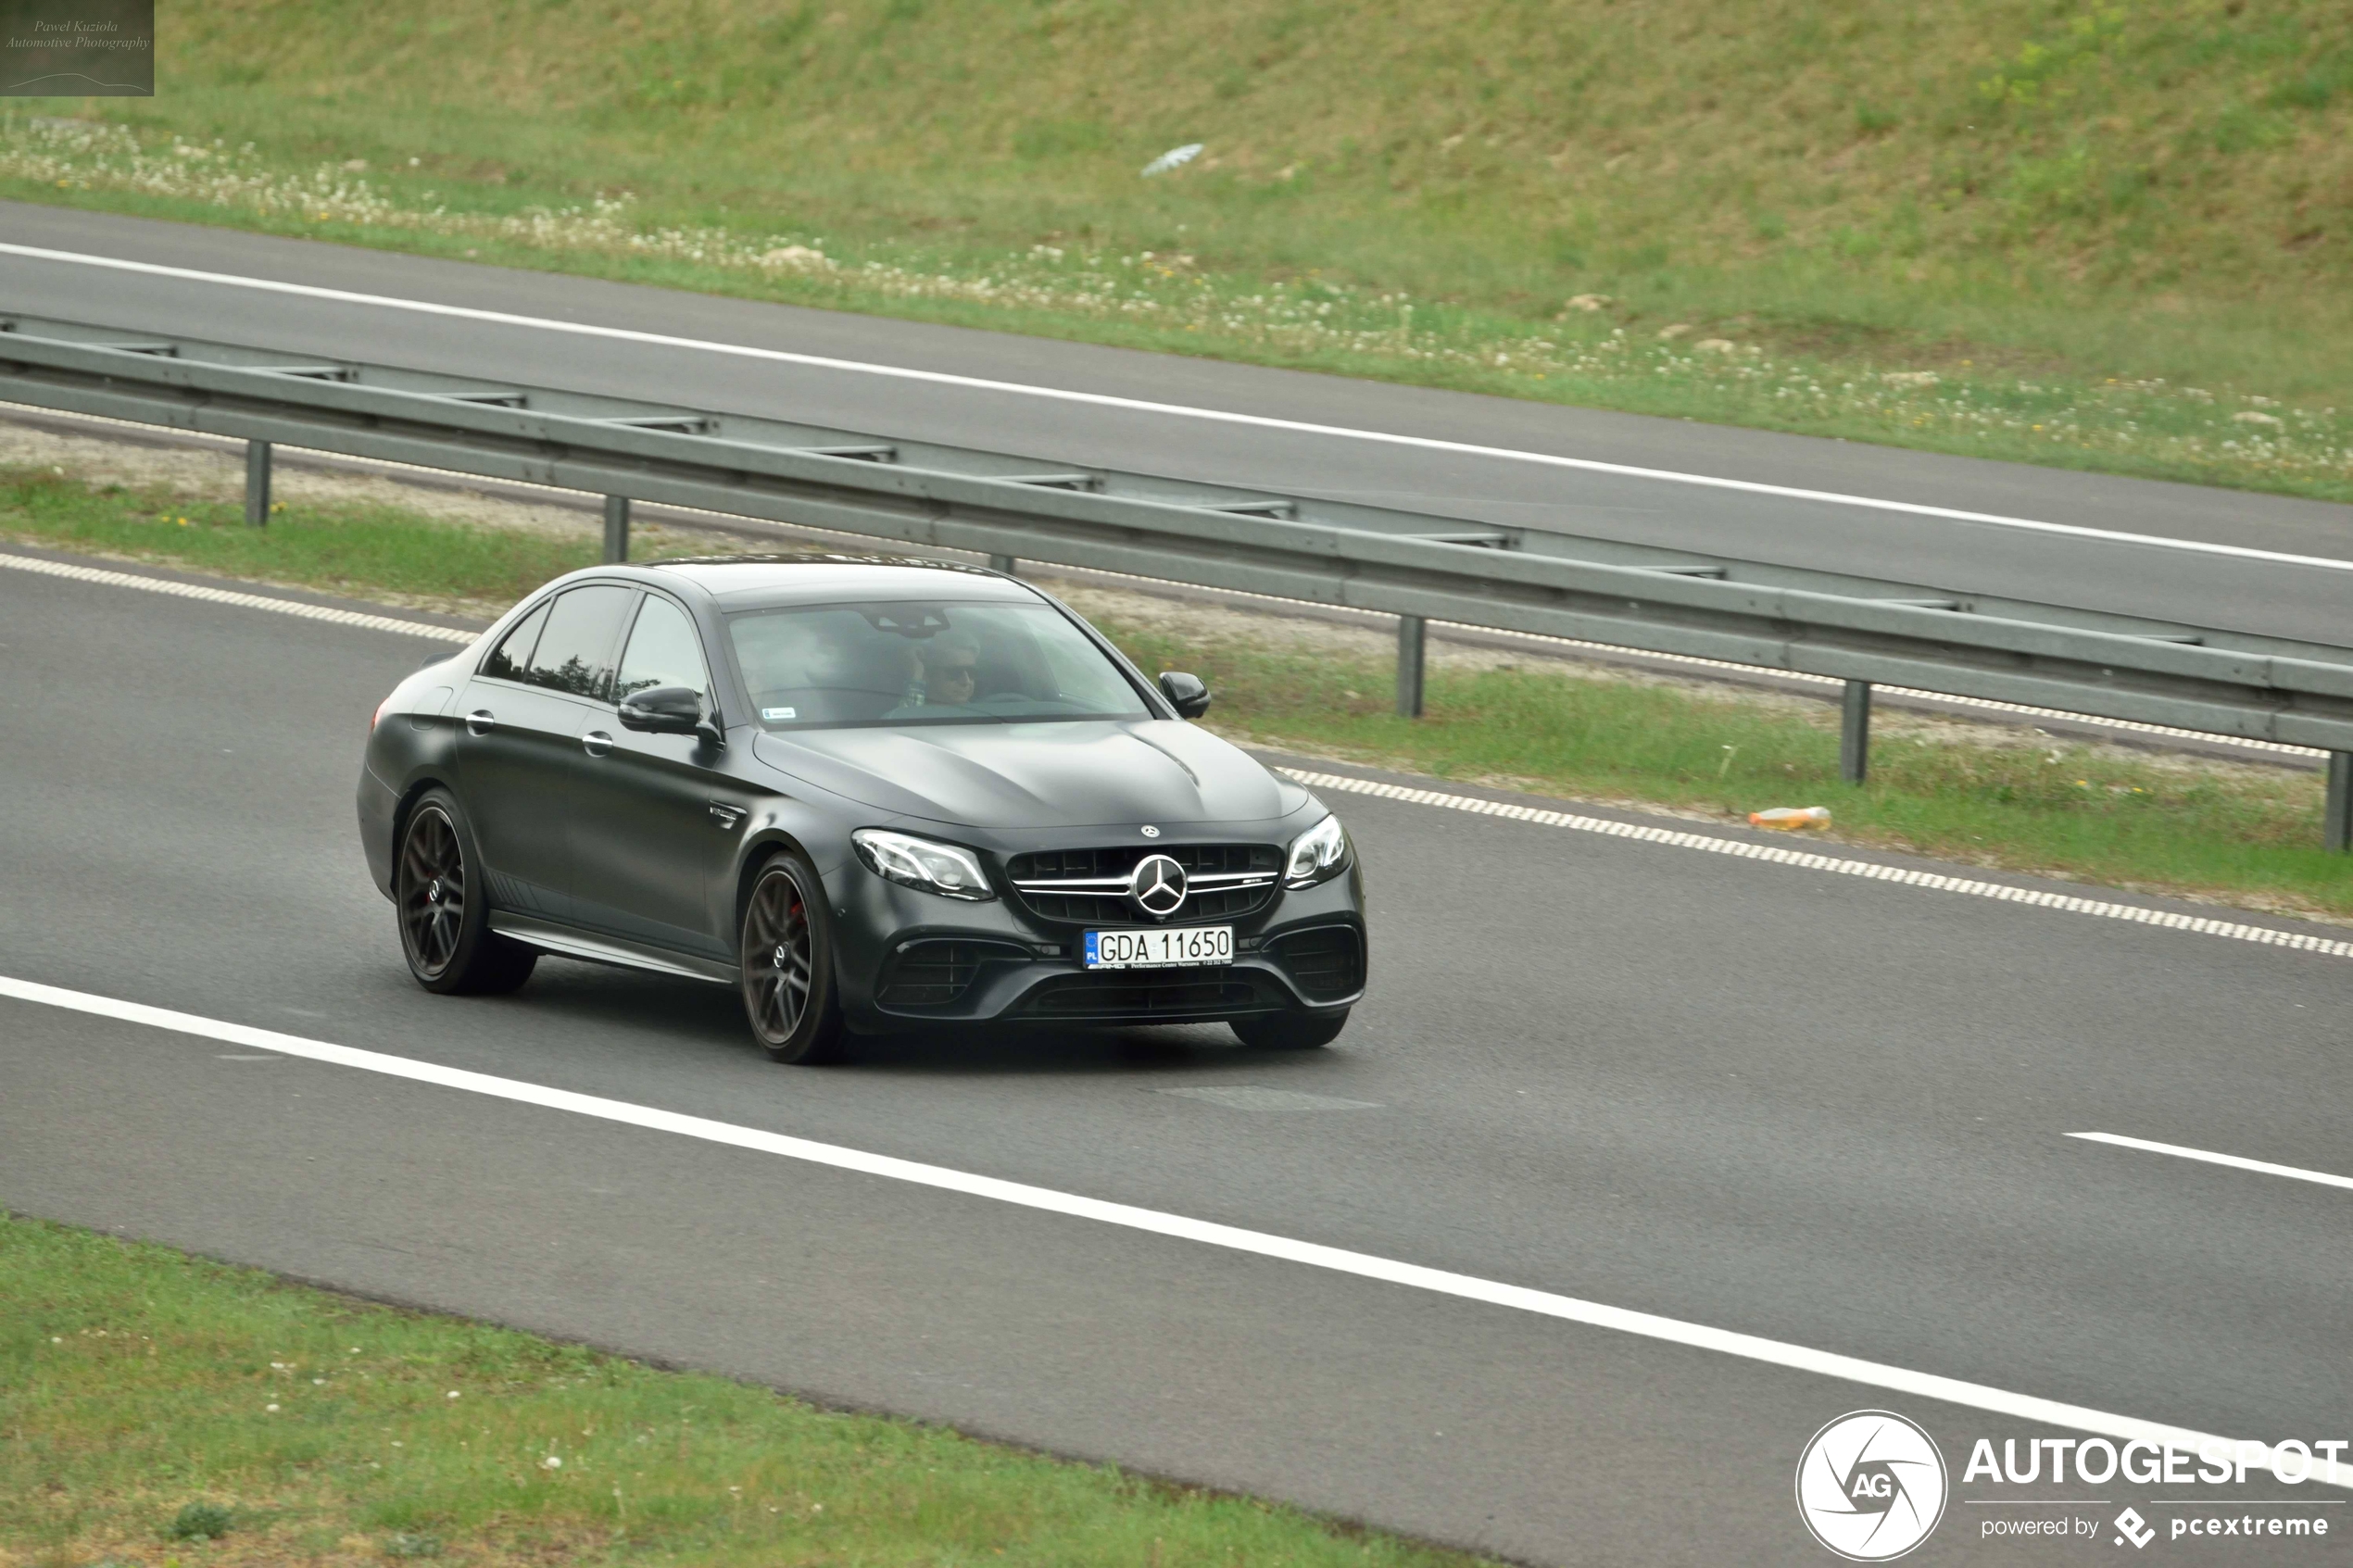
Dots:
(1317, 854)
(918, 862)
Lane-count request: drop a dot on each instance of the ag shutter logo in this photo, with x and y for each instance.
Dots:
(1872, 1485)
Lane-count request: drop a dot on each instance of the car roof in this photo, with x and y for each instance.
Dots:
(767, 581)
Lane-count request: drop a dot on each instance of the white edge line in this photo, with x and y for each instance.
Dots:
(1798, 1358)
(2169, 920)
(230, 596)
(1220, 416)
(2236, 1162)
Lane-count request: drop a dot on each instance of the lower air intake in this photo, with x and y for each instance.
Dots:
(932, 974)
(1328, 961)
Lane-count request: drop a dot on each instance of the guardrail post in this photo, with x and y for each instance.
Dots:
(257, 484)
(2337, 830)
(1003, 563)
(1855, 732)
(616, 527)
(1410, 632)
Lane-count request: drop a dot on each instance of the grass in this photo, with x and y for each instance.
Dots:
(2091, 236)
(158, 1410)
(365, 551)
(2240, 834)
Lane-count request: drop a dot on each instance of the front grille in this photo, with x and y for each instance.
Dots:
(1327, 961)
(1089, 886)
(931, 974)
(1216, 992)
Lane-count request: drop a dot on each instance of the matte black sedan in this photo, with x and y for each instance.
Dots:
(874, 794)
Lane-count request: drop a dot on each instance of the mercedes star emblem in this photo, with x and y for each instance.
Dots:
(1150, 831)
(1157, 885)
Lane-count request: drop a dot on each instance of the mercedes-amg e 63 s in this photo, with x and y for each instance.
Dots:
(872, 795)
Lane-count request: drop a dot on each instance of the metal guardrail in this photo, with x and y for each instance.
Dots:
(1417, 566)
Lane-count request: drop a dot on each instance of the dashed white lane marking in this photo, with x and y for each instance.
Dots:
(1775, 855)
(230, 596)
(1234, 1239)
(1174, 410)
(2236, 1162)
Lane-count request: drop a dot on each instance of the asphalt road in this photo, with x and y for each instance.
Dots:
(2201, 589)
(1826, 1111)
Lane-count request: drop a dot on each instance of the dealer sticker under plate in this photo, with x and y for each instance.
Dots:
(1174, 947)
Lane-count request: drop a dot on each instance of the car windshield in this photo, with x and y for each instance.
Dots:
(924, 662)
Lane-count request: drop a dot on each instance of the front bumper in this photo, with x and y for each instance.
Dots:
(906, 959)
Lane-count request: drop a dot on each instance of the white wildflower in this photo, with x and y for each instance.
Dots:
(798, 256)
(1175, 157)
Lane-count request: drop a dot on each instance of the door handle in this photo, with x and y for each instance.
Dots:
(596, 743)
(478, 723)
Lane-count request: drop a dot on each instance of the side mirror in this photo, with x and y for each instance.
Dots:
(1185, 693)
(667, 710)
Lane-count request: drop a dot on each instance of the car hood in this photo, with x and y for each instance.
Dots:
(1036, 776)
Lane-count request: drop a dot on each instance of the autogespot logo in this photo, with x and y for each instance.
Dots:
(1870, 1486)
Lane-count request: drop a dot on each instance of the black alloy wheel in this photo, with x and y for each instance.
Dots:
(1289, 1030)
(789, 964)
(445, 926)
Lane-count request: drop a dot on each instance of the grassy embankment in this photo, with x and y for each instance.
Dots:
(2115, 237)
(148, 1399)
(2248, 835)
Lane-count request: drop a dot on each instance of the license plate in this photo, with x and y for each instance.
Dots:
(1176, 946)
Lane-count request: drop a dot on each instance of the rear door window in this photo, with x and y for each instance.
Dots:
(575, 653)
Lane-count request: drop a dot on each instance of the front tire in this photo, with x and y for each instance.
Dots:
(786, 953)
(444, 920)
(1289, 1030)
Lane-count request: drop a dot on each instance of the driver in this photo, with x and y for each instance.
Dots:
(947, 670)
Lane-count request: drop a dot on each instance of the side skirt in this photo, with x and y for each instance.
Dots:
(549, 937)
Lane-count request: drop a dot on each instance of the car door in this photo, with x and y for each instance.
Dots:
(656, 817)
(520, 742)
